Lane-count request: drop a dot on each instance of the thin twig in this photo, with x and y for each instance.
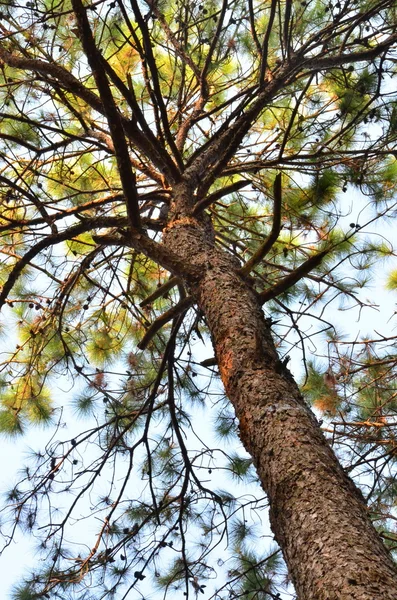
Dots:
(274, 233)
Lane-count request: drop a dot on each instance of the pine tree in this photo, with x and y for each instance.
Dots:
(174, 173)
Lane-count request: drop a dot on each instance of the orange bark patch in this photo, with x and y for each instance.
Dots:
(183, 221)
(226, 368)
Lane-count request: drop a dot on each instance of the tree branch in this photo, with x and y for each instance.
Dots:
(156, 154)
(208, 163)
(127, 177)
(170, 314)
(161, 291)
(265, 45)
(211, 198)
(149, 57)
(329, 62)
(292, 278)
(33, 252)
(136, 239)
(273, 235)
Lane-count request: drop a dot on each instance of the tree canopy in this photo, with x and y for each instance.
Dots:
(281, 119)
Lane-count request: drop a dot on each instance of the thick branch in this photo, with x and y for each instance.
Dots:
(70, 83)
(56, 71)
(330, 62)
(211, 198)
(153, 250)
(292, 278)
(136, 239)
(128, 179)
(161, 291)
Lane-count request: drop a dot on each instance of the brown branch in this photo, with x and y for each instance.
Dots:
(161, 291)
(95, 60)
(75, 210)
(163, 319)
(247, 94)
(41, 125)
(189, 122)
(33, 252)
(287, 27)
(136, 239)
(168, 259)
(274, 233)
(209, 162)
(209, 362)
(265, 45)
(202, 81)
(56, 71)
(329, 62)
(293, 115)
(213, 44)
(253, 29)
(21, 142)
(292, 278)
(211, 198)
(156, 154)
(149, 58)
(179, 51)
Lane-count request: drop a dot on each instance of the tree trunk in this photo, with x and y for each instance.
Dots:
(318, 516)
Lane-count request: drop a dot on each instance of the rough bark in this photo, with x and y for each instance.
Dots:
(318, 516)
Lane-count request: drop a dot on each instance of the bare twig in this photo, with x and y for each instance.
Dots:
(273, 235)
(163, 319)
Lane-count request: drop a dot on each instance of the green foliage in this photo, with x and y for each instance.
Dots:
(226, 425)
(241, 533)
(240, 466)
(11, 423)
(324, 188)
(24, 592)
(320, 388)
(257, 573)
(391, 283)
(85, 405)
